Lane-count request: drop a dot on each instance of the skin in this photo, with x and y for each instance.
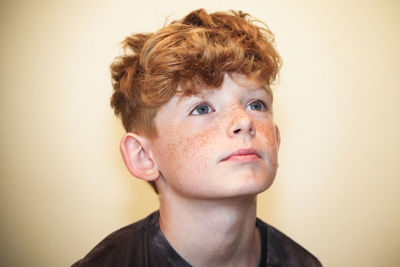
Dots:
(199, 142)
(208, 193)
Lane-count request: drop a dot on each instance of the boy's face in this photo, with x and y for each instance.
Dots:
(219, 144)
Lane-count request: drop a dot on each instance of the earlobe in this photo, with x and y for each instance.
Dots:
(137, 157)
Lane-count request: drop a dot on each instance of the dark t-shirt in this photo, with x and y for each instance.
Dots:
(143, 244)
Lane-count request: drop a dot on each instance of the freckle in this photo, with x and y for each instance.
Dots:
(205, 136)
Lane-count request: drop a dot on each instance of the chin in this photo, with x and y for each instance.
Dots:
(230, 192)
(256, 189)
(251, 187)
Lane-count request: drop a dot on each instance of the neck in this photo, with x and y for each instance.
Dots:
(212, 232)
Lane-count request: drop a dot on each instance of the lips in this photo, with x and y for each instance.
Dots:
(243, 155)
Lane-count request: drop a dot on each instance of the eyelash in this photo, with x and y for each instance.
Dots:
(264, 107)
(199, 105)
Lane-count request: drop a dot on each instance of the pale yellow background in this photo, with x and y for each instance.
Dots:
(63, 183)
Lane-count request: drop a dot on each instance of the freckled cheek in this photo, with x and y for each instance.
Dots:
(165, 150)
(195, 155)
(267, 130)
(196, 146)
(187, 151)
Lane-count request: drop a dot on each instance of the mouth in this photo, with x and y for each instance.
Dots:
(243, 155)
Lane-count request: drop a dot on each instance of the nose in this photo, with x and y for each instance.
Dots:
(241, 124)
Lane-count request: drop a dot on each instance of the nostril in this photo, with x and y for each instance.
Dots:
(236, 131)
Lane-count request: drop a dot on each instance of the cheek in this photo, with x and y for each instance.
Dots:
(267, 130)
(184, 152)
(196, 147)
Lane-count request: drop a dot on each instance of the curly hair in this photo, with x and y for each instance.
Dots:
(192, 53)
(185, 57)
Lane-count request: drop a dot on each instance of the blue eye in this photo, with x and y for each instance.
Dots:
(201, 109)
(257, 105)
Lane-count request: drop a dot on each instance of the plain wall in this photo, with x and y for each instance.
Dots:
(63, 184)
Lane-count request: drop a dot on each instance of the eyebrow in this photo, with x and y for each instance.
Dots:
(206, 91)
(200, 96)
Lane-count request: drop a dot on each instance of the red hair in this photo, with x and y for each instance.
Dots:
(194, 53)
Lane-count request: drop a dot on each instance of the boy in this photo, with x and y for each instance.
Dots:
(195, 101)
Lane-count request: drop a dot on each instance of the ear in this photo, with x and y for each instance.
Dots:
(138, 158)
(277, 135)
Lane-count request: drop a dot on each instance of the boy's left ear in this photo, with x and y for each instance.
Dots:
(138, 157)
(277, 135)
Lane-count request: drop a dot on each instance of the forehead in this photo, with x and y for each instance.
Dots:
(230, 81)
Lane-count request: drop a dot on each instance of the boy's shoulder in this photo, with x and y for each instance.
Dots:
(143, 244)
(281, 250)
(127, 242)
